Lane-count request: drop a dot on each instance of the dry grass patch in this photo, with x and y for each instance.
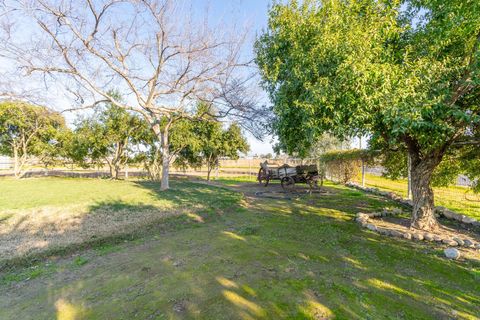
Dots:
(56, 213)
(36, 230)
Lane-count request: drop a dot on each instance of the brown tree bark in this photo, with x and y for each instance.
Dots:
(423, 215)
(164, 184)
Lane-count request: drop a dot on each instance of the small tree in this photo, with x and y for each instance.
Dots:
(107, 137)
(182, 139)
(27, 130)
(211, 143)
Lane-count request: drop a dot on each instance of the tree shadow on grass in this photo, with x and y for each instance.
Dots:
(276, 260)
(37, 233)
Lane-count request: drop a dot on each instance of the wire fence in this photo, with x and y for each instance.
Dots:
(458, 198)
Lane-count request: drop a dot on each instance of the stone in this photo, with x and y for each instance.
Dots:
(407, 235)
(395, 233)
(371, 227)
(383, 230)
(437, 238)
(396, 211)
(476, 223)
(459, 241)
(450, 242)
(459, 217)
(468, 220)
(477, 246)
(449, 214)
(396, 197)
(440, 210)
(417, 236)
(361, 219)
(362, 215)
(468, 243)
(428, 237)
(452, 253)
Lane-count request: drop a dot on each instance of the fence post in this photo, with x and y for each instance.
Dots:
(409, 168)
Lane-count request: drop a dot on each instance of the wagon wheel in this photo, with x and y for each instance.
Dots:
(263, 177)
(288, 183)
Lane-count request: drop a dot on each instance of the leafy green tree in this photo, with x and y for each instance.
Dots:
(54, 152)
(27, 130)
(181, 137)
(210, 142)
(405, 73)
(109, 137)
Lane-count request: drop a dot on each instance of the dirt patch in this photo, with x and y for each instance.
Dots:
(37, 230)
(447, 230)
(275, 190)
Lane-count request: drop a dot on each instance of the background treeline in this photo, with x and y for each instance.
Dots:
(114, 137)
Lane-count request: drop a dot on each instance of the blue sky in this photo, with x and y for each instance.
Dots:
(254, 14)
(251, 14)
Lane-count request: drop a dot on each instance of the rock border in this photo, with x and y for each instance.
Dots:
(364, 219)
(439, 211)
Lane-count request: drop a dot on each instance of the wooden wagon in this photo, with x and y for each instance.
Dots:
(288, 175)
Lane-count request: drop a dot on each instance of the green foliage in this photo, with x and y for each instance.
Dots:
(405, 73)
(210, 141)
(348, 155)
(80, 261)
(109, 136)
(28, 130)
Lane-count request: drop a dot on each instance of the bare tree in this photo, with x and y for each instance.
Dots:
(158, 53)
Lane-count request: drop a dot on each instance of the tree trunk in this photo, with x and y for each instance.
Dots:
(164, 184)
(110, 168)
(117, 171)
(209, 169)
(423, 216)
(16, 164)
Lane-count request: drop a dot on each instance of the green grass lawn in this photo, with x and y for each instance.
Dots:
(240, 258)
(456, 198)
(42, 215)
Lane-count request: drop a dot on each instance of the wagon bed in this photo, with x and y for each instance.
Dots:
(288, 175)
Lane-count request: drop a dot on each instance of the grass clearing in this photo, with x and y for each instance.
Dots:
(254, 258)
(454, 197)
(56, 213)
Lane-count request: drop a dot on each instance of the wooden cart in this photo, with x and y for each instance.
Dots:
(288, 175)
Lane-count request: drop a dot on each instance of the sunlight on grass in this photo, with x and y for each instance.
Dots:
(195, 217)
(315, 309)
(243, 303)
(233, 235)
(275, 259)
(390, 287)
(68, 311)
(226, 283)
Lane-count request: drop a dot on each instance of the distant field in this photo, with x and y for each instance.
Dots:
(453, 197)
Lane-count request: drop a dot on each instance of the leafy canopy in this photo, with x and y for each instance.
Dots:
(28, 129)
(398, 71)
